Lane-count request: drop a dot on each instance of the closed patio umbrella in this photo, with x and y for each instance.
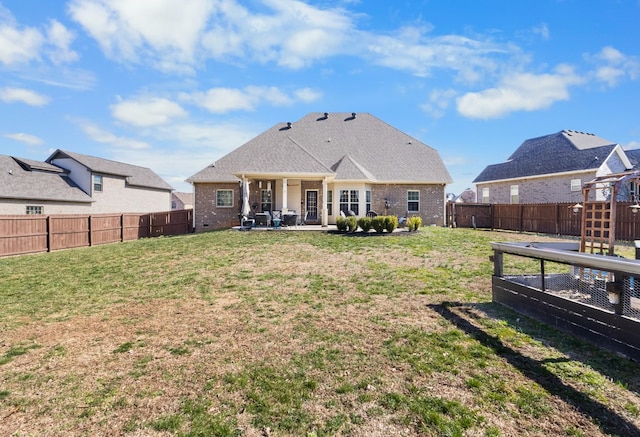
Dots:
(246, 209)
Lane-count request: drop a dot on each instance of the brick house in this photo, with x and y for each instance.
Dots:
(551, 168)
(320, 166)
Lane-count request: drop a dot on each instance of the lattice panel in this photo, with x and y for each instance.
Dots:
(596, 228)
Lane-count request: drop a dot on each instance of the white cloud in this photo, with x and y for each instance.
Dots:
(519, 92)
(60, 39)
(222, 100)
(163, 32)
(25, 138)
(100, 135)
(438, 103)
(21, 95)
(147, 111)
(308, 95)
(613, 66)
(20, 45)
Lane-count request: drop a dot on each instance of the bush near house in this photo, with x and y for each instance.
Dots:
(364, 223)
(341, 223)
(413, 223)
(390, 223)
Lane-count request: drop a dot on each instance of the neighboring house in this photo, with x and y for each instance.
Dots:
(72, 183)
(115, 186)
(181, 200)
(33, 187)
(467, 196)
(320, 166)
(551, 168)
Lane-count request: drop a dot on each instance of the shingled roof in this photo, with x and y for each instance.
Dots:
(134, 175)
(561, 152)
(346, 146)
(33, 180)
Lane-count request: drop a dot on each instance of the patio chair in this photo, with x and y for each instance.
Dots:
(372, 214)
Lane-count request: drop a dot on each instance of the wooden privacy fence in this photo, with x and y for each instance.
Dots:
(21, 234)
(544, 218)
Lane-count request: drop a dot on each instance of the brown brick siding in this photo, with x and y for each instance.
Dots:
(432, 201)
(209, 217)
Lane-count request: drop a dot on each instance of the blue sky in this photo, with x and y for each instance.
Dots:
(175, 84)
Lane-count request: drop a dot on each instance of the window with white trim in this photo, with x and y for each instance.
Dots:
(97, 183)
(576, 184)
(32, 209)
(514, 191)
(367, 200)
(330, 202)
(349, 201)
(224, 198)
(485, 195)
(413, 201)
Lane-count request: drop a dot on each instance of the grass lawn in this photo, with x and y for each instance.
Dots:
(292, 334)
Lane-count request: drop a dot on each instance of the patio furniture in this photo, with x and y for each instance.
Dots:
(246, 223)
(289, 219)
(263, 219)
(372, 214)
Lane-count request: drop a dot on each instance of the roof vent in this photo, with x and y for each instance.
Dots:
(289, 125)
(326, 115)
(10, 171)
(353, 115)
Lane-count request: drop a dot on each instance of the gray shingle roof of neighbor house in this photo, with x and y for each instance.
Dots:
(135, 175)
(352, 147)
(32, 180)
(561, 152)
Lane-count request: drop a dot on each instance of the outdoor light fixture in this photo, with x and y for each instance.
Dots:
(386, 204)
(576, 208)
(635, 208)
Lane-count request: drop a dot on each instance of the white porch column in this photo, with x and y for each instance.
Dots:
(284, 196)
(325, 210)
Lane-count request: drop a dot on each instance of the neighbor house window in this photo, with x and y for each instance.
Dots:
(485, 195)
(514, 194)
(329, 202)
(576, 184)
(349, 200)
(97, 182)
(368, 200)
(224, 198)
(34, 209)
(413, 201)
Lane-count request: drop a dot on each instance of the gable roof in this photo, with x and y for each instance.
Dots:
(561, 152)
(339, 145)
(32, 180)
(134, 175)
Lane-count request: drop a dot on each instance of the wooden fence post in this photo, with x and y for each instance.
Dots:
(48, 233)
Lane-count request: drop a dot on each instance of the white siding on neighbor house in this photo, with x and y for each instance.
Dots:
(19, 207)
(116, 197)
(80, 174)
(612, 165)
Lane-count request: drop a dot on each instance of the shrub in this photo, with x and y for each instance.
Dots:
(341, 223)
(364, 223)
(377, 223)
(390, 223)
(413, 223)
(352, 223)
